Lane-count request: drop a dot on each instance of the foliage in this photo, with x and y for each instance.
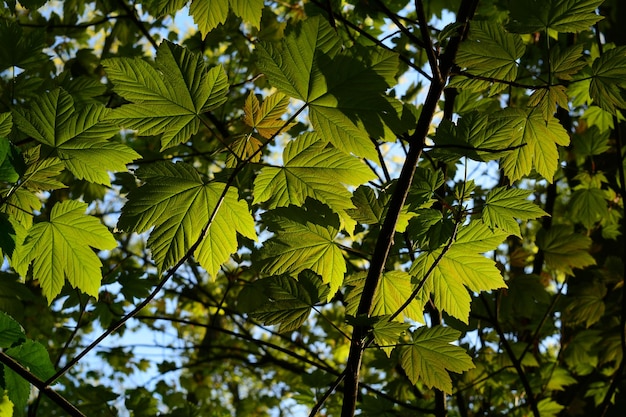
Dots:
(322, 207)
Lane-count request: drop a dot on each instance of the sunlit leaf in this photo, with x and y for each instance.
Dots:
(312, 168)
(61, 249)
(431, 356)
(78, 137)
(491, 52)
(305, 239)
(504, 207)
(537, 141)
(569, 16)
(460, 267)
(169, 97)
(179, 203)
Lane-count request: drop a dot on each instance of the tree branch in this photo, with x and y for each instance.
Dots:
(385, 239)
(44, 387)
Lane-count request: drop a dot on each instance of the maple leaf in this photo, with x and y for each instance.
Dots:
(285, 300)
(178, 203)
(265, 117)
(393, 290)
(305, 239)
(491, 52)
(504, 206)
(306, 66)
(60, 249)
(565, 250)
(313, 169)
(78, 137)
(431, 355)
(536, 142)
(461, 266)
(168, 97)
(528, 16)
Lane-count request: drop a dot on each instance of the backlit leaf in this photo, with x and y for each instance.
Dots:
(538, 140)
(568, 16)
(178, 203)
(431, 356)
(289, 301)
(312, 168)
(305, 239)
(460, 267)
(387, 334)
(504, 207)
(609, 79)
(169, 97)
(491, 52)
(565, 250)
(61, 249)
(78, 137)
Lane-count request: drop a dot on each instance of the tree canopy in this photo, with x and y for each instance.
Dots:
(312, 207)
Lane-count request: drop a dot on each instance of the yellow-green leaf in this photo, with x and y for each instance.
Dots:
(61, 249)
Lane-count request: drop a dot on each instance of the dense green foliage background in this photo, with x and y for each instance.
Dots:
(390, 208)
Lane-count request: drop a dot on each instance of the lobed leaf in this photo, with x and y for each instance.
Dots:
(431, 356)
(60, 249)
(176, 201)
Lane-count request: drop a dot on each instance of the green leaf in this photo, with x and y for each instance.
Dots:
(595, 116)
(588, 206)
(567, 62)
(394, 288)
(78, 137)
(547, 99)
(431, 356)
(168, 97)
(17, 389)
(42, 174)
(266, 117)
(387, 334)
(312, 168)
(61, 248)
(585, 304)
(289, 302)
(538, 137)
(20, 206)
(20, 50)
(208, 14)
(305, 239)
(11, 162)
(371, 209)
(504, 207)
(430, 229)
(10, 331)
(335, 126)
(248, 10)
(477, 237)
(290, 65)
(6, 406)
(569, 16)
(591, 142)
(34, 357)
(609, 80)
(549, 408)
(6, 124)
(461, 266)
(565, 250)
(305, 65)
(178, 203)
(490, 51)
